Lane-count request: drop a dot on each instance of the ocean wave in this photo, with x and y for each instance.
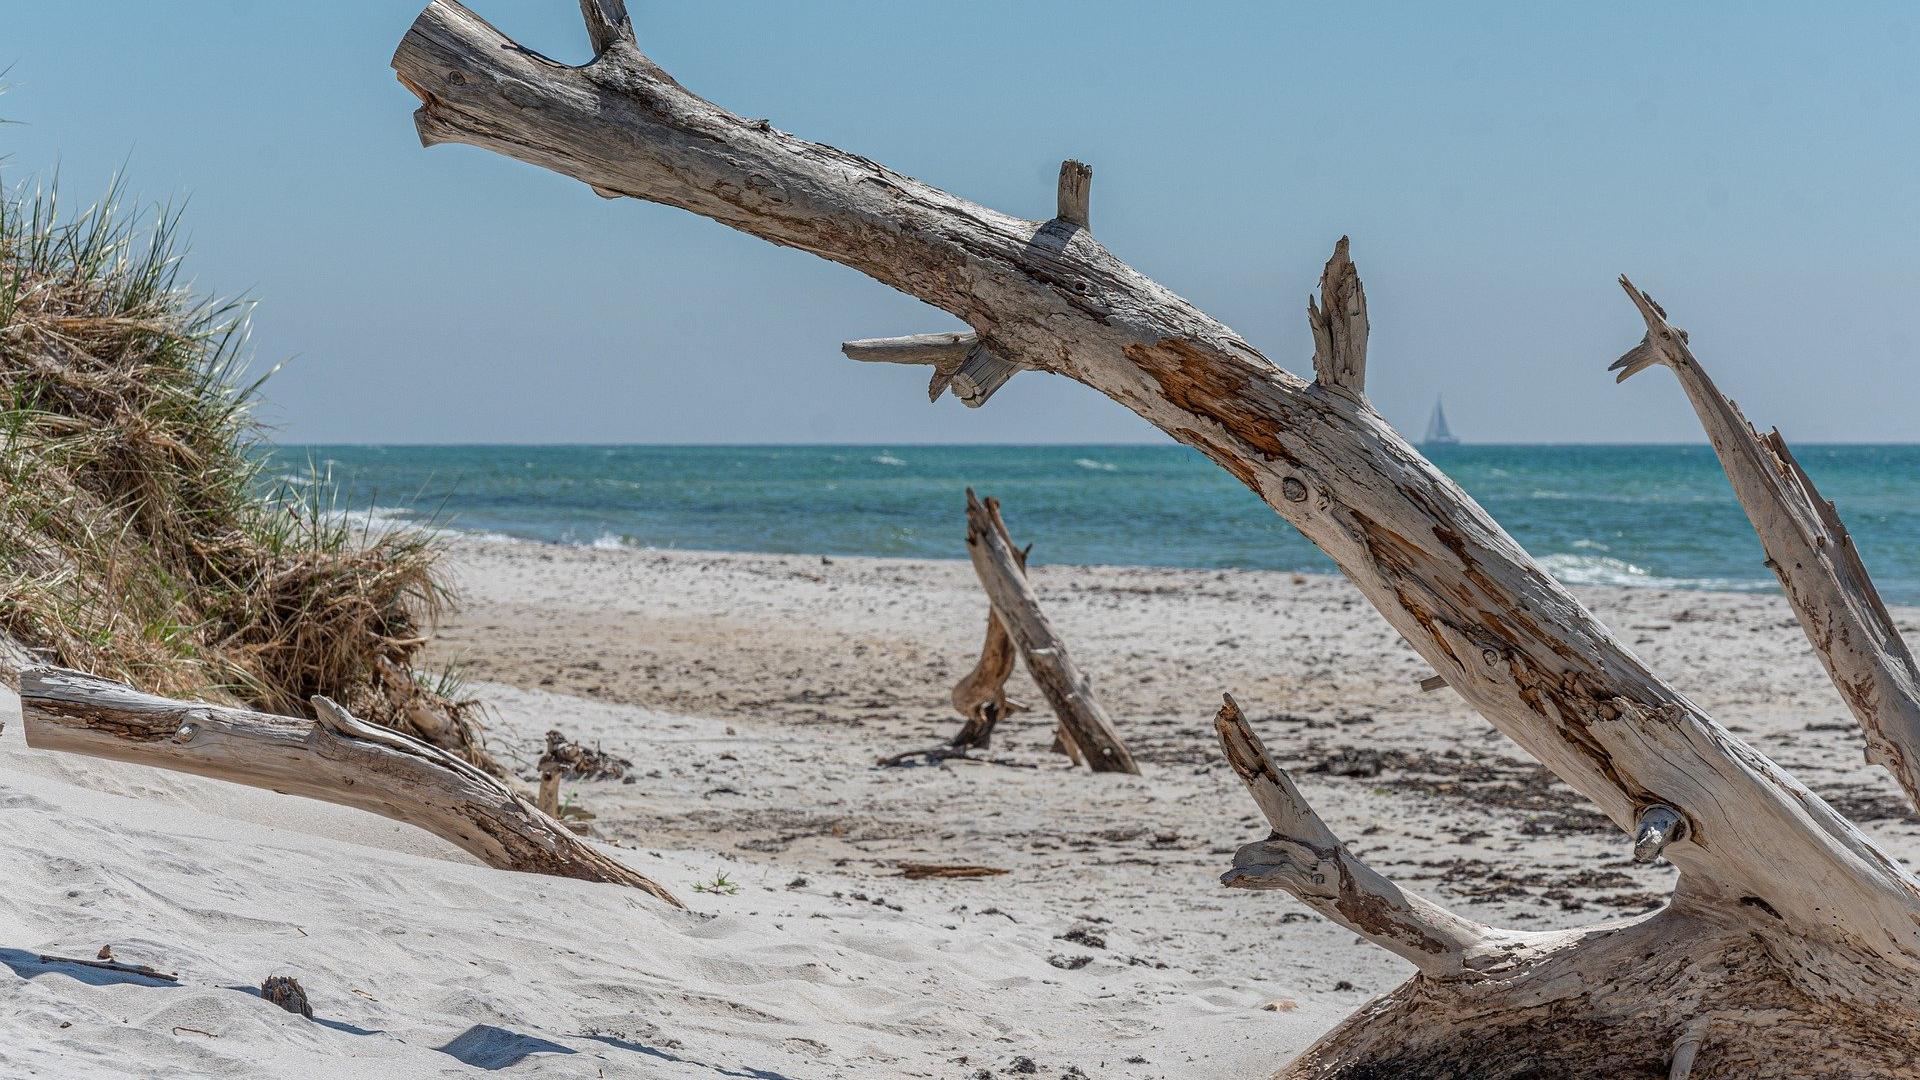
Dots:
(1664, 498)
(1605, 570)
(886, 459)
(1097, 466)
(607, 541)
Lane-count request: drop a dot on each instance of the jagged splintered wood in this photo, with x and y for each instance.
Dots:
(1797, 929)
(335, 758)
(1809, 550)
(1339, 325)
(1083, 722)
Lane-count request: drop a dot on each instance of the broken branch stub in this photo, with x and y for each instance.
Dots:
(1340, 326)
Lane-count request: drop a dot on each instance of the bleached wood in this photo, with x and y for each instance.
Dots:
(1060, 681)
(607, 23)
(1780, 899)
(981, 694)
(335, 758)
(1809, 550)
(958, 359)
(1305, 858)
(981, 375)
(1075, 199)
(1340, 326)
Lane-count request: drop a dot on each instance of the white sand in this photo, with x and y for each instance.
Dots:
(753, 694)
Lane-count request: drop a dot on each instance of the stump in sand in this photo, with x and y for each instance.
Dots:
(1791, 944)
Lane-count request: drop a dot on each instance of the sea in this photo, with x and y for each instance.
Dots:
(1637, 516)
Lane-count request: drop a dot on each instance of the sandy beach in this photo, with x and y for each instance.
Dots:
(754, 695)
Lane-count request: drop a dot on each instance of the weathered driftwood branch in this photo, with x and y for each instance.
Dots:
(336, 758)
(960, 361)
(1340, 328)
(1305, 858)
(981, 694)
(1809, 550)
(1780, 898)
(1083, 722)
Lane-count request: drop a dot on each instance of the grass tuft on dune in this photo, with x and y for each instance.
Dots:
(139, 537)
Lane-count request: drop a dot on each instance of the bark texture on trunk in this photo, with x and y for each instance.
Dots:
(336, 758)
(1791, 934)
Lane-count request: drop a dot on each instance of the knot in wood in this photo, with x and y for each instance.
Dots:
(1293, 489)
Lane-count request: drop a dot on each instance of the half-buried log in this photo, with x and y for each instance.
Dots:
(337, 758)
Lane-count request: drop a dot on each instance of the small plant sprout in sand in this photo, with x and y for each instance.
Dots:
(721, 885)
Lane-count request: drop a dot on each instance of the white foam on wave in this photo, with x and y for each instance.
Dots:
(1572, 569)
(1098, 466)
(886, 459)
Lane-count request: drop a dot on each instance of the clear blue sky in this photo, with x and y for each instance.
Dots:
(1756, 166)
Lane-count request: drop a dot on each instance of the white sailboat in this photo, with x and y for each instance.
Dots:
(1438, 433)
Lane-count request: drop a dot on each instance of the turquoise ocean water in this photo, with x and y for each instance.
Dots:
(1652, 516)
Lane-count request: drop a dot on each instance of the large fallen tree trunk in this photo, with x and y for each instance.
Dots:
(336, 758)
(1791, 946)
(1085, 731)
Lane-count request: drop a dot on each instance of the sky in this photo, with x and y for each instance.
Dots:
(1755, 166)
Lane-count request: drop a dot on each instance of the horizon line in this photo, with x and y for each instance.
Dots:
(533, 444)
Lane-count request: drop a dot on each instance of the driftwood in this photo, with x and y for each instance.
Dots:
(1085, 731)
(1809, 550)
(915, 871)
(981, 695)
(336, 758)
(1791, 945)
(106, 963)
